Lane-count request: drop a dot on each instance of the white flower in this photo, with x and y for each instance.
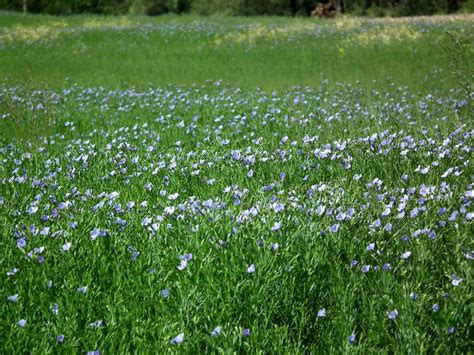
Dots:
(406, 255)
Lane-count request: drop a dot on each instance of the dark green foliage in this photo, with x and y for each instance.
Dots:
(238, 7)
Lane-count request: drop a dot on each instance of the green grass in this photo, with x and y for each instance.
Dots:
(183, 50)
(145, 117)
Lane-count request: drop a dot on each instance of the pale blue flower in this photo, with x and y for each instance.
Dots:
(82, 290)
(177, 339)
(456, 280)
(13, 298)
(66, 246)
(251, 269)
(165, 293)
(393, 314)
(216, 331)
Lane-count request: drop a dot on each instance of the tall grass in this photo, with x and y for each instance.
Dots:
(267, 52)
(328, 218)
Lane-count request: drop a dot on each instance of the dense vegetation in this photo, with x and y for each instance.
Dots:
(269, 52)
(239, 7)
(319, 199)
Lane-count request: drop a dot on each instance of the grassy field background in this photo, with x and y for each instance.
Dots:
(270, 52)
(235, 185)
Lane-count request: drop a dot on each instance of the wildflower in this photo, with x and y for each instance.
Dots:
(413, 296)
(22, 323)
(165, 293)
(251, 269)
(121, 221)
(60, 338)
(406, 255)
(456, 280)
(13, 298)
(82, 290)
(21, 243)
(352, 338)
(66, 247)
(435, 307)
(32, 209)
(451, 330)
(186, 256)
(365, 269)
(376, 224)
(97, 324)
(350, 212)
(322, 313)
(173, 196)
(276, 226)
(177, 339)
(393, 314)
(453, 216)
(246, 332)
(370, 247)
(334, 228)
(216, 331)
(55, 309)
(94, 233)
(278, 207)
(182, 265)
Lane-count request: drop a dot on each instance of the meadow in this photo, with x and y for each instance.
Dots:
(236, 185)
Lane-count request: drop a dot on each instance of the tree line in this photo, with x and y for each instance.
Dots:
(239, 7)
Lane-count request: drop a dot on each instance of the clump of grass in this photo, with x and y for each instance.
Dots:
(459, 53)
(29, 112)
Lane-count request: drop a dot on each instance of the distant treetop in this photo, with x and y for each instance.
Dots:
(373, 8)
